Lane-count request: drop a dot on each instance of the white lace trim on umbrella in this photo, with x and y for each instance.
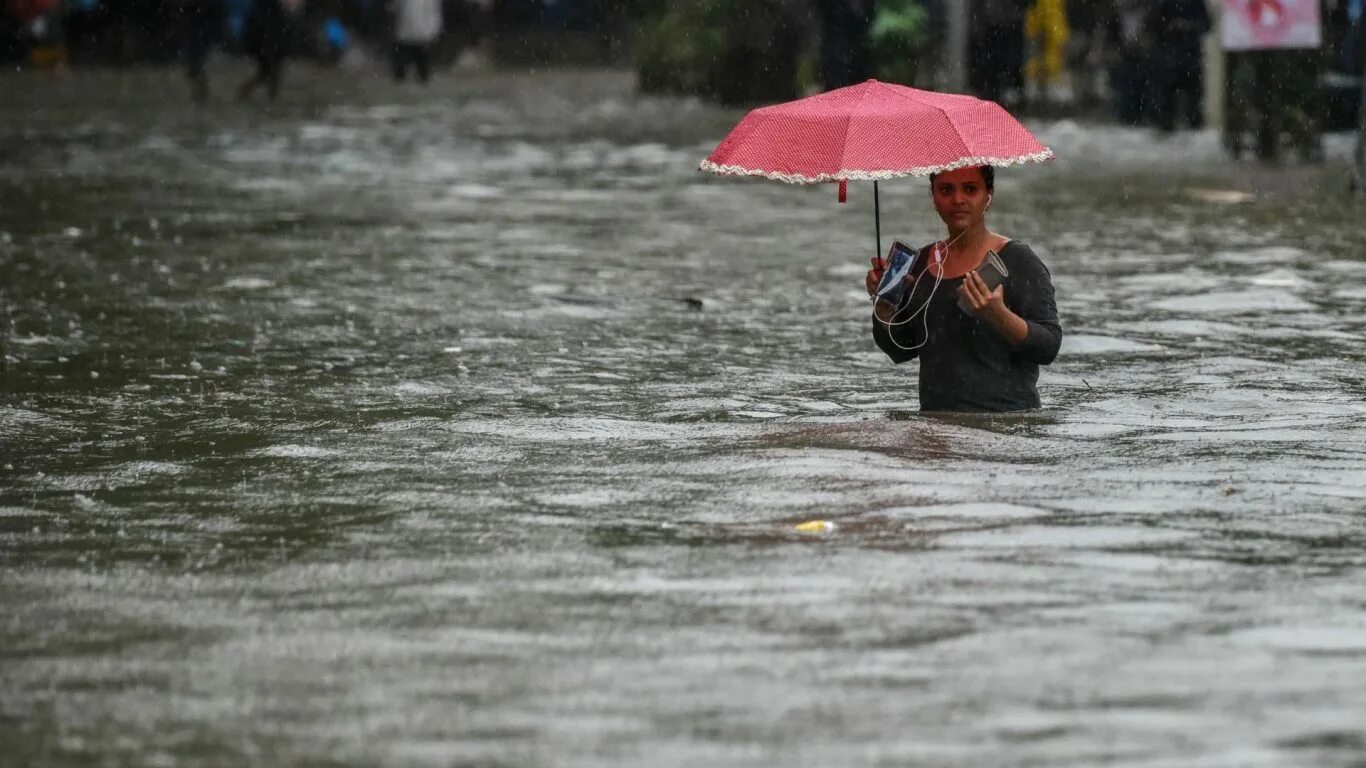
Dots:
(798, 178)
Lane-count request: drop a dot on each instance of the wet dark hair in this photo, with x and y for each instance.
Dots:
(988, 177)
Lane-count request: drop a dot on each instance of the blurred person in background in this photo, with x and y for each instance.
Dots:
(417, 25)
(1047, 33)
(932, 52)
(200, 22)
(1178, 29)
(1345, 35)
(1085, 50)
(41, 29)
(1128, 43)
(266, 36)
(1275, 89)
(1353, 38)
(845, 52)
(996, 35)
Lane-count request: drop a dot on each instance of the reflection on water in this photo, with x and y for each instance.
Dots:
(472, 426)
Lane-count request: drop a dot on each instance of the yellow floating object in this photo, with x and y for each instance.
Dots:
(815, 526)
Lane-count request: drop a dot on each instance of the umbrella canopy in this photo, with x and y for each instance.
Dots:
(872, 131)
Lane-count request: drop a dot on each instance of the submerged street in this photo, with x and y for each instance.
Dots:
(472, 425)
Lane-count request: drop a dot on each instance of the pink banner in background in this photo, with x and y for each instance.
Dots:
(1256, 25)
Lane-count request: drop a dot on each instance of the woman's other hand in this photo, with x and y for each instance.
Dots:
(983, 301)
(991, 307)
(874, 276)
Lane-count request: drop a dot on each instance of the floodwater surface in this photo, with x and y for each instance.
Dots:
(472, 426)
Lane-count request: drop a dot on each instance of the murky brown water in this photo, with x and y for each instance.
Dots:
(470, 426)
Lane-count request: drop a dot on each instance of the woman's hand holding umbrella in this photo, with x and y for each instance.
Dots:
(881, 309)
(874, 277)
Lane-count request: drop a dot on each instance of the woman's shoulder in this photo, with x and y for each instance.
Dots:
(1016, 252)
(1016, 249)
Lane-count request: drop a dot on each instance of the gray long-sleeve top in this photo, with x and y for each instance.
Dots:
(965, 364)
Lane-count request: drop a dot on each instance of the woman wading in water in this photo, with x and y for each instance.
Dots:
(987, 360)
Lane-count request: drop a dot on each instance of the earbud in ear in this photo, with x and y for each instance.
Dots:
(988, 199)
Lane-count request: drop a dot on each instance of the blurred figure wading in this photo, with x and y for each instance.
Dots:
(1126, 36)
(1178, 30)
(267, 35)
(996, 42)
(417, 25)
(201, 21)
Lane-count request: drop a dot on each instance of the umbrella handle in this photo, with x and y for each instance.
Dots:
(877, 220)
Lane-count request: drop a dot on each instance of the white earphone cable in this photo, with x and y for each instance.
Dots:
(940, 248)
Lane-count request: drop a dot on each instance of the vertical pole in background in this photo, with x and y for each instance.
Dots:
(955, 73)
(877, 220)
(1214, 60)
(1361, 140)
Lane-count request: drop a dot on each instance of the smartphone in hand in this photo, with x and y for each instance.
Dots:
(993, 272)
(900, 259)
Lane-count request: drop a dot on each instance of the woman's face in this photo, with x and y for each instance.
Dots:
(960, 197)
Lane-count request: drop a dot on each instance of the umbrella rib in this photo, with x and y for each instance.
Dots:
(848, 121)
(944, 112)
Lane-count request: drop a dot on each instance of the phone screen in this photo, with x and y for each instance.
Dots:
(900, 259)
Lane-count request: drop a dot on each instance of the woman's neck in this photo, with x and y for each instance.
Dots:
(966, 241)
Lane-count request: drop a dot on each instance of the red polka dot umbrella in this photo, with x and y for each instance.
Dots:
(872, 131)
